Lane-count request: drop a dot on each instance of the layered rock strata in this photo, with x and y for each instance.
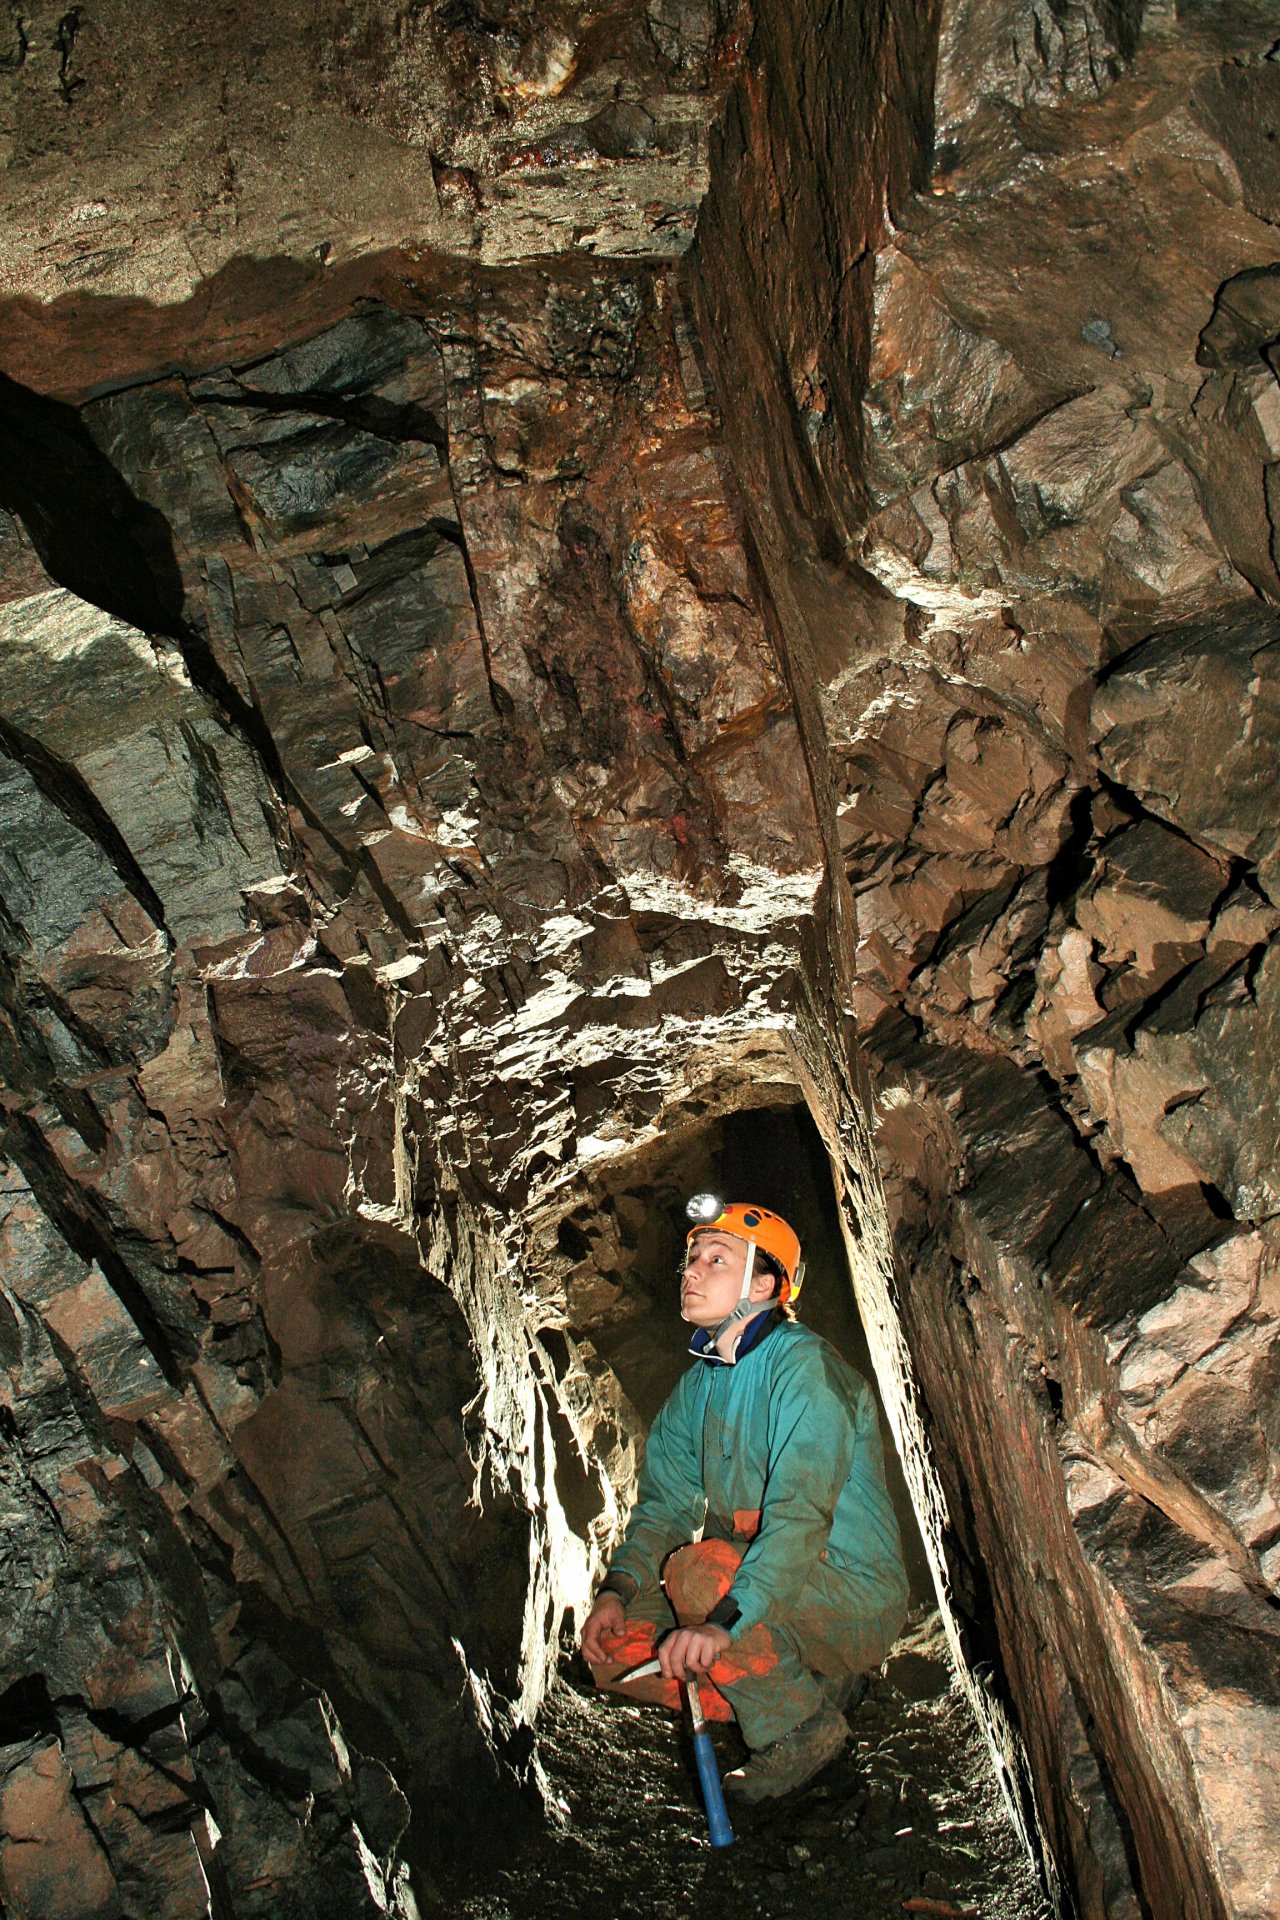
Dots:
(430, 800)
(219, 178)
(397, 843)
(1021, 535)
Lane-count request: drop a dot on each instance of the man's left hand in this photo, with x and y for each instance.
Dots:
(691, 1651)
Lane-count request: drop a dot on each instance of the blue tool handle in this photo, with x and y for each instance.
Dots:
(712, 1792)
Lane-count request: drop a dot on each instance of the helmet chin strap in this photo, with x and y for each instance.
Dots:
(746, 1305)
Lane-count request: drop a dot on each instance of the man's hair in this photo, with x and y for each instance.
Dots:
(771, 1266)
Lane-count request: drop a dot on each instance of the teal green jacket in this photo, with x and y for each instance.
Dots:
(791, 1432)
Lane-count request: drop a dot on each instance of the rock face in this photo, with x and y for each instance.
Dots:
(388, 877)
(220, 177)
(1025, 564)
(483, 702)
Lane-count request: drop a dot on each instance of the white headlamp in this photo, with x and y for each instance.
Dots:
(703, 1208)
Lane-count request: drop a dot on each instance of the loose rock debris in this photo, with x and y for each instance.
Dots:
(907, 1820)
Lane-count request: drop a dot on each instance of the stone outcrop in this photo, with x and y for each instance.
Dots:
(371, 878)
(485, 699)
(1024, 560)
(219, 180)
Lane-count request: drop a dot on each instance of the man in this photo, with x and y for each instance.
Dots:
(769, 1445)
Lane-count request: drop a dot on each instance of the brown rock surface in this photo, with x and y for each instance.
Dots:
(481, 705)
(1023, 560)
(219, 176)
(346, 919)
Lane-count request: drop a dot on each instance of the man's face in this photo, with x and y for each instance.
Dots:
(713, 1268)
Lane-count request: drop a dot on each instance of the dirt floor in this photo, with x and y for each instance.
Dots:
(907, 1820)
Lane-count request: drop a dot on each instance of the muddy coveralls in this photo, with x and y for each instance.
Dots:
(777, 1459)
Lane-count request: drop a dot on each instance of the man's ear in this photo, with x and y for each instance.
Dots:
(763, 1284)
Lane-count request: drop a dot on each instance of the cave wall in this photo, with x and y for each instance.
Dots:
(204, 178)
(391, 846)
(481, 696)
(1017, 357)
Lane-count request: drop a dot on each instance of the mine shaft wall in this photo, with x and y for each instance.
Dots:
(385, 845)
(422, 780)
(1017, 532)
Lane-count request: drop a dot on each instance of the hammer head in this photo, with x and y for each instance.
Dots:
(639, 1673)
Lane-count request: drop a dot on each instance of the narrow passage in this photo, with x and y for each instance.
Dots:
(909, 1813)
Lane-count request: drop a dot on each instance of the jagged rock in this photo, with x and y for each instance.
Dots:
(939, 392)
(1219, 680)
(1028, 54)
(1192, 1095)
(1161, 1518)
(1064, 450)
(182, 805)
(479, 707)
(1147, 908)
(498, 737)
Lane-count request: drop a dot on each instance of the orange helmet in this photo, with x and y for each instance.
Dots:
(768, 1232)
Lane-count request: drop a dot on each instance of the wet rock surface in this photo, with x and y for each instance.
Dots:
(368, 874)
(1025, 563)
(481, 703)
(909, 1813)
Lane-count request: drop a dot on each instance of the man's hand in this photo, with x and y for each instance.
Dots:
(690, 1651)
(607, 1617)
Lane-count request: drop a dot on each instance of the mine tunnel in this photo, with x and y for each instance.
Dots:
(629, 1241)
(919, 1807)
(596, 601)
(627, 1246)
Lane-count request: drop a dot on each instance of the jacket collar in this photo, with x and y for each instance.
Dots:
(760, 1325)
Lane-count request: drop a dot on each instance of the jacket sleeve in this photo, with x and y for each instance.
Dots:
(813, 1439)
(670, 1503)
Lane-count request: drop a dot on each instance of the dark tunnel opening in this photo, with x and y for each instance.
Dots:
(623, 1289)
(896, 1816)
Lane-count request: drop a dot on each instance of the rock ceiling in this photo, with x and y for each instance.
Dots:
(217, 176)
(567, 571)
